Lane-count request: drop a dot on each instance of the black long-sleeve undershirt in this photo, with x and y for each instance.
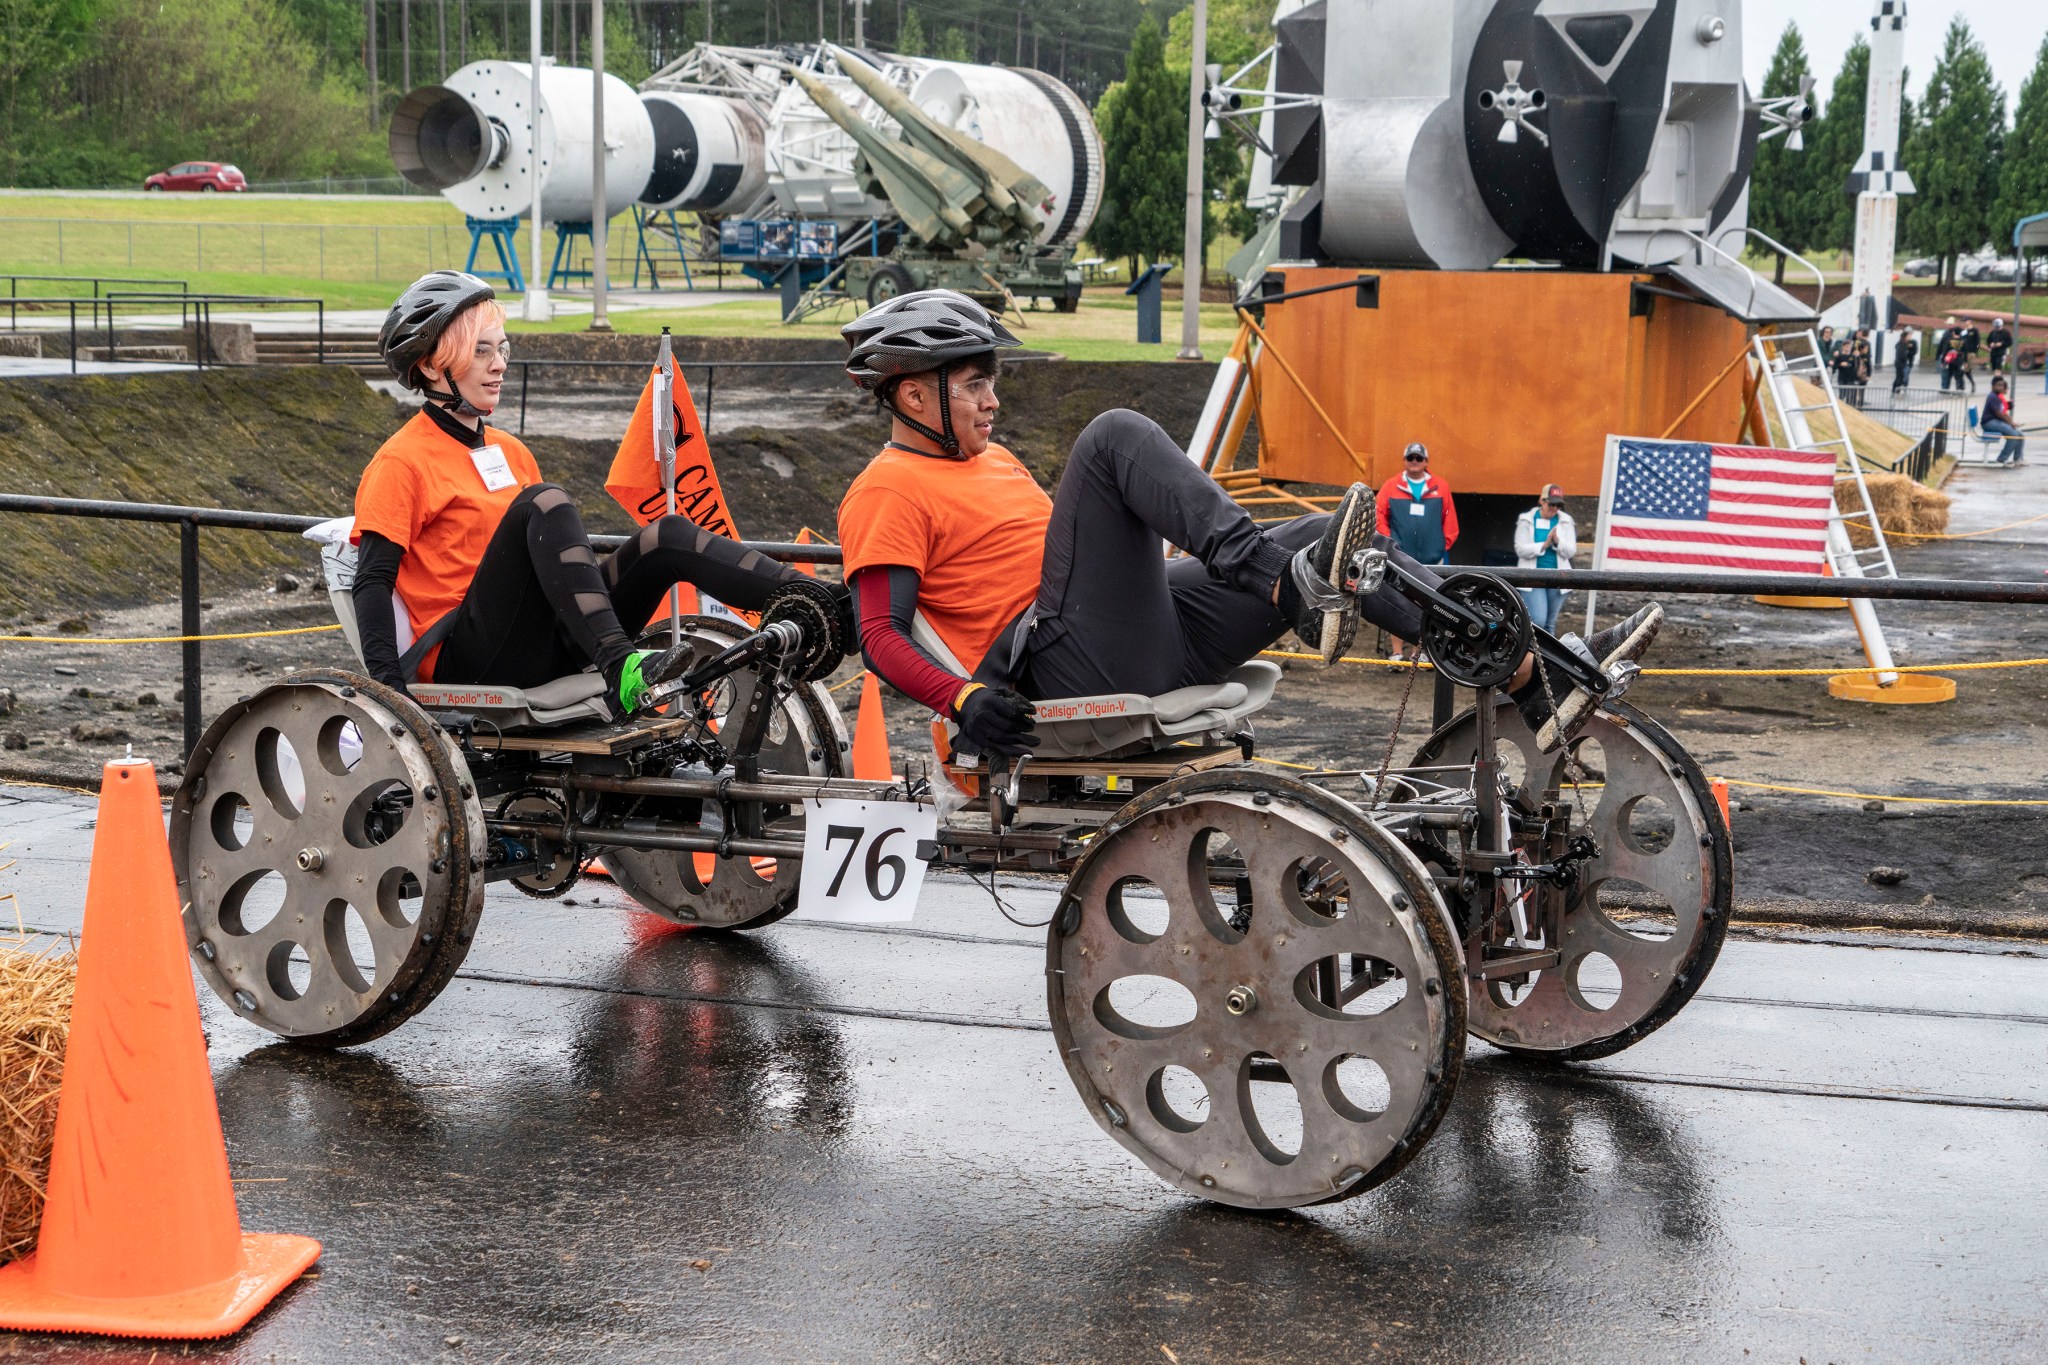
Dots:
(376, 616)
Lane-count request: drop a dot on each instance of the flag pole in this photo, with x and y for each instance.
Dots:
(664, 417)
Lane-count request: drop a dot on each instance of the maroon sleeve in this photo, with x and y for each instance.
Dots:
(886, 596)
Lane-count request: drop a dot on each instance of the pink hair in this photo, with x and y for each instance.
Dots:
(456, 350)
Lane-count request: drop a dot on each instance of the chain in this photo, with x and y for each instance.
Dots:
(1379, 782)
(1572, 771)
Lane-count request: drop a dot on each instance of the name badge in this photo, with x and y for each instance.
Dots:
(1414, 509)
(492, 468)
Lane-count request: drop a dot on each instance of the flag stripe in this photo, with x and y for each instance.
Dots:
(1637, 529)
(1778, 545)
(1773, 500)
(1787, 476)
(1730, 562)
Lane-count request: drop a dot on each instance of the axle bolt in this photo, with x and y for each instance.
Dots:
(311, 859)
(1240, 1000)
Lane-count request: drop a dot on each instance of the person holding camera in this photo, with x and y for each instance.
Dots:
(1546, 538)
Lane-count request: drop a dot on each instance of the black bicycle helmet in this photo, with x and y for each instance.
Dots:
(414, 325)
(917, 333)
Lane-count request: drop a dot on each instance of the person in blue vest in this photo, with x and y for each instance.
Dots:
(1546, 538)
(1416, 513)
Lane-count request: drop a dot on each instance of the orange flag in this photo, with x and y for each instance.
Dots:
(635, 477)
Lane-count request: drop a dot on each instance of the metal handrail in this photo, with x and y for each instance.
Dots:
(1820, 283)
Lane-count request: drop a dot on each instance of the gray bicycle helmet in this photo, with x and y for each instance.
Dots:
(414, 325)
(917, 333)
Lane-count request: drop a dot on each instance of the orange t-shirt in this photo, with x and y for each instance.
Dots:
(974, 531)
(431, 496)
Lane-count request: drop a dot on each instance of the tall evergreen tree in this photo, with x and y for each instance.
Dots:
(1785, 197)
(2023, 169)
(1955, 155)
(911, 41)
(1834, 142)
(1144, 151)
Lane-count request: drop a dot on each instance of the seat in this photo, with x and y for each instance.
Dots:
(1118, 724)
(576, 698)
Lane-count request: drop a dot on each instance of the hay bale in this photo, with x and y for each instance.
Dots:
(35, 1015)
(1904, 508)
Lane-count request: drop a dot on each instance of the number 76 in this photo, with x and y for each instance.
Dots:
(875, 861)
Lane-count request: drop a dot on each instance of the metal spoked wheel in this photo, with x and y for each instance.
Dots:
(327, 842)
(1642, 930)
(1255, 991)
(805, 737)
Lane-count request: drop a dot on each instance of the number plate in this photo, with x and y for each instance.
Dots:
(860, 860)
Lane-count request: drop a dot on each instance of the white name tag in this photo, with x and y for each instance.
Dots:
(860, 860)
(491, 466)
(1414, 509)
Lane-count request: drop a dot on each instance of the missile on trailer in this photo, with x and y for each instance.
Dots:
(939, 202)
(1012, 192)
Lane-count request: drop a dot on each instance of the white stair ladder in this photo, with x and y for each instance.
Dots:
(1785, 358)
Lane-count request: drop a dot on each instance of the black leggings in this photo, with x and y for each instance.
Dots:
(1115, 615)
(543, 605)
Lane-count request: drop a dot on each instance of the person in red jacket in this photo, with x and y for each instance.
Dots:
(1418, 514)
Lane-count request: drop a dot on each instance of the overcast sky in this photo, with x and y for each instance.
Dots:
(2010, 30)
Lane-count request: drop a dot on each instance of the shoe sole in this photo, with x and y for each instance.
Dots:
(1578, 703)
(1340, 626)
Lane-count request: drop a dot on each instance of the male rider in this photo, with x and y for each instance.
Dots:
(1037, 597)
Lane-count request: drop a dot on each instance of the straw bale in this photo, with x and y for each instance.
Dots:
(1904, 507)
(35, 1015)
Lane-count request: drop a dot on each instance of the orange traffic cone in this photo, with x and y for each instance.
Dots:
(871, 762)
(804, 537)
(140, 1236)
(1721, 798)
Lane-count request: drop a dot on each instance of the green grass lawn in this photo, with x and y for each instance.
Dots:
(1102, 329)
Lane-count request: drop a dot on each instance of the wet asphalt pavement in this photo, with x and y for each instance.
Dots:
(609, 1140)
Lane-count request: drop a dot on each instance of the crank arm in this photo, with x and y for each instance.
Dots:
(1424, 594)
(1554, 652)
(775, 638)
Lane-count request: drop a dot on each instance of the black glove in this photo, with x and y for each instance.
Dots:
(996, 720)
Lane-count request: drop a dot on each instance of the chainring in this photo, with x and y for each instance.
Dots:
(1476, 656)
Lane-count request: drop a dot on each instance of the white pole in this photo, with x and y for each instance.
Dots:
(538, 309)
(1191, 252)
(598, 321)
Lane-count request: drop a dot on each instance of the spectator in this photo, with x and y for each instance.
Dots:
(1416, 513)
(1997, 421)
(1546, 538)
(1997, 345)
(1972, 341)
(1905, 350)
(1827, 348)
(1948, 354)
(1849, 369)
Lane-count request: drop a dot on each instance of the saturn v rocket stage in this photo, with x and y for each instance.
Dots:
(1545, 203)
(728, 132)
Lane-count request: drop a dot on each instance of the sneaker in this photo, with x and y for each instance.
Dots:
(1616, 650)
(1328, 616)
(644, 670)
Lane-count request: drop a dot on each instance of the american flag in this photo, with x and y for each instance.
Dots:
(1729, 508)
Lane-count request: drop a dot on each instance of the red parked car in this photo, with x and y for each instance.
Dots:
(206, 176)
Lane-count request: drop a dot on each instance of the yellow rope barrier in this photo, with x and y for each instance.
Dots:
(1719, 672)
(1878, 796)
(1965, 535)
(158, 639)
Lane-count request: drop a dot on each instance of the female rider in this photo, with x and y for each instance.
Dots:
(470, 568)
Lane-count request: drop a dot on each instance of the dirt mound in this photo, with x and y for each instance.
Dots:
(296, 439)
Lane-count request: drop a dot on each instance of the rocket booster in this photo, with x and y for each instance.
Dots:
(1877, 169)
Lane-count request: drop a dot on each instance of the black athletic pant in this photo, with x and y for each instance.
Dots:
(543, 605)
(1115, 615)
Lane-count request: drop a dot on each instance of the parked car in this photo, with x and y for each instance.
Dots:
(1923, 267)
(204, 176)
